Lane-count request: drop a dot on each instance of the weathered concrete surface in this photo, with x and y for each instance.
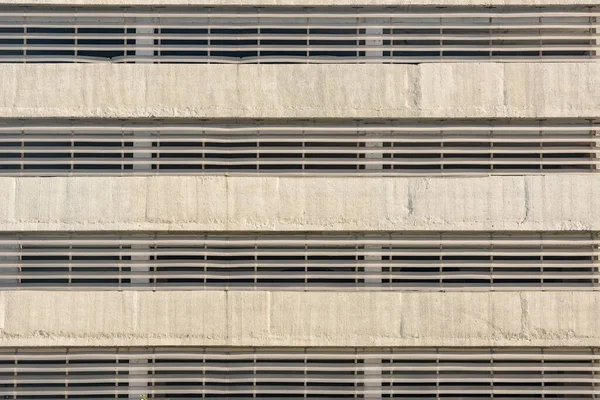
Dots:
(486, 90)
(551, 202)
(305, 2)
(38, 318)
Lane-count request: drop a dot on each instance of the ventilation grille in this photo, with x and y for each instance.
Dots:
(298, 147)
(171, 373)
(301, 262)
(298, 35)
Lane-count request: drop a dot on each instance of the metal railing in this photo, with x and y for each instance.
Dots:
(298, 35)
(378, 147)
(308, 261)
(299, 373)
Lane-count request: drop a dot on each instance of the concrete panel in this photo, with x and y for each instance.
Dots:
(215, 318)
(551, 202)
(305, 2)
(485, 90)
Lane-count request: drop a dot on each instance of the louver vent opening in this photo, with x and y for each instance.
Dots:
(373, 261)
(294, 373)
(382, 147)
(298, 35)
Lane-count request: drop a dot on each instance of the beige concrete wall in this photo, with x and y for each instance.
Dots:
(305, 2)
(552, 202)
(486, 90)
(218, 318)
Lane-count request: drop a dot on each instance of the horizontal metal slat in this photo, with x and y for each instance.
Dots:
(377, 147)
(262, 12)
(320, 35)
(372, 261)
(298, 372)
(473, 37)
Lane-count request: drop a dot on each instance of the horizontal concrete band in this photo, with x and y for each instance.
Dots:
(485, 90)
(305, 2)
(550, 202)
(37, 318)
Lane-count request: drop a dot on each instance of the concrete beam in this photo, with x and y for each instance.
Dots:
(217, 203)
(448, 90)
(219, 318)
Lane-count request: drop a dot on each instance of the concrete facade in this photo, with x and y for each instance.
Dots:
(371, 315)
(362, 319)
(213, 203)
(471, 90)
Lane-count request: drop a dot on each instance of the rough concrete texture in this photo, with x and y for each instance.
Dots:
(479, 90)
(306, 2)
(194, 203)
(49, 318)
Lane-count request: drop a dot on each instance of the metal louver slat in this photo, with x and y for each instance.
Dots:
(298, 35)
(299, 373)
(307, 261)
(378, 147)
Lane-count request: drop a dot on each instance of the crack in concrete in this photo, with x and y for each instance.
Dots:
(526, 201)
(524, 314)
(410, 201)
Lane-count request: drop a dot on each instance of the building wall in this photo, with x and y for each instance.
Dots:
(539, 203)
